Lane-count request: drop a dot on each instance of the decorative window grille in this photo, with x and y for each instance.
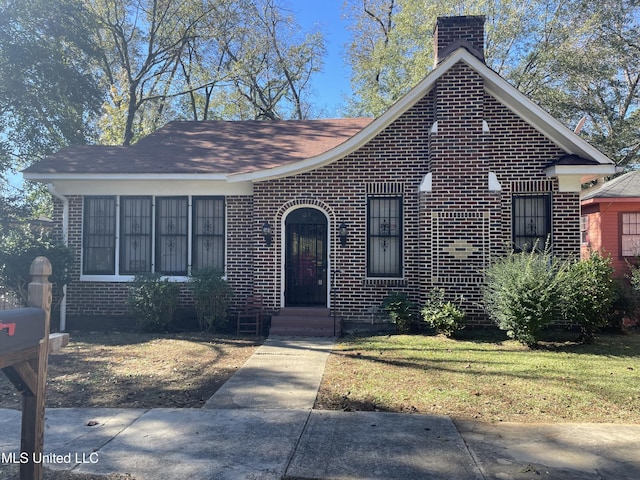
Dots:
(135, 234)
(163, 234)
(208, 232)
(531, 221)
(172, 235)
(99, 235)
(384, 237)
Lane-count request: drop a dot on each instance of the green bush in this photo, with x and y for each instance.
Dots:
(521, 294)
(153, 301)
(212, 295)
(445, 316)
(587, 294)
(400, 309)
(19, 246)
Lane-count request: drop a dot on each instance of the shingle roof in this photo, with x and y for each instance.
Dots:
(624, 186)
(208, 147)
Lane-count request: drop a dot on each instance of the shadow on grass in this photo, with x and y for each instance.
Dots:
(116, 338)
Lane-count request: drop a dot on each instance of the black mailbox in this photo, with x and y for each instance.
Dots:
(21, 328)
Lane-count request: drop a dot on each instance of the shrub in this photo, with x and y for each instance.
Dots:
(212, 295)
(588, 294)
(19, 247)
(400, 309)
(153, 301)
(521, 294)
(445, 316)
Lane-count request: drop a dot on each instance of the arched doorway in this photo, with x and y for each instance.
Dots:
(306, 246)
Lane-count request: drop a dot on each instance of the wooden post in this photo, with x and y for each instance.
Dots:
(33, 401)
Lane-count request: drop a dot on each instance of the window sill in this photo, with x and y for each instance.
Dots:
(125, 278)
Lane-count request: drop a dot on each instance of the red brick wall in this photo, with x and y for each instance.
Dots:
(605, 230)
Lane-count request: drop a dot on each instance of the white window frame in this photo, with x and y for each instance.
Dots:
(630, 234)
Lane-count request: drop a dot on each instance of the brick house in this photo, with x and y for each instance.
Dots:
(332, 214)
(610, 222)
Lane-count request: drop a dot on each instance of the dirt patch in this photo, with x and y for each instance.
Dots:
(133, 370)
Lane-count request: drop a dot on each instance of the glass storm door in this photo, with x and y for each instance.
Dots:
(306, 258)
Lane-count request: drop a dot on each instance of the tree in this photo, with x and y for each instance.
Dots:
(575, 57)
(271, 65)
(261, 62)
(141, 44)
(48, 94)
(167, 59)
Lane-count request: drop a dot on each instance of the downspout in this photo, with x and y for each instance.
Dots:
(65, 240)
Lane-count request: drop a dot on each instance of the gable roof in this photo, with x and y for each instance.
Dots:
(496, 86)
(258, 151)
(624, 186)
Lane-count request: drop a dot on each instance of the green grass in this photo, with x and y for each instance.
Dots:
(487, 380)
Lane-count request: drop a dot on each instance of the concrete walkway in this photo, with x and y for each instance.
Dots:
(284, 372)
(260, 425)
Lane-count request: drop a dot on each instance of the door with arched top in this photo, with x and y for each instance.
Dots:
(306, 258)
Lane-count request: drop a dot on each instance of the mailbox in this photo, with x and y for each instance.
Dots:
(20, 329)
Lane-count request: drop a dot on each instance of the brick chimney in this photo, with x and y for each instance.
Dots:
(452, 33)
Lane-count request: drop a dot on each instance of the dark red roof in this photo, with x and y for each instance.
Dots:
(208, 147)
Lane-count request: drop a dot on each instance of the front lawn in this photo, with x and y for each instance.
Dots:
(487, 379)
(138, 370)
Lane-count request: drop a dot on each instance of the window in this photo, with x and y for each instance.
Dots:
(99, 235)
(584, 230)
(171, 235)
(165, 235)
(208, 233)
(384, 237)
(531, 221)
(135, 235)
(630, 237)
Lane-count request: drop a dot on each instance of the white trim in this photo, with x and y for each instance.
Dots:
(65, 239)
(128, 278)
(166, 187)
(571, 177)
(493, 183)
(283, 249)
(37, 176)
(427, 183)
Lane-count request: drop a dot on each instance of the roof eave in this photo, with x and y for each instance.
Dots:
(535, 115)
(571, 177)
(50, 177)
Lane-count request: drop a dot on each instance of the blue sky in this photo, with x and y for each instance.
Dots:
(333, 83)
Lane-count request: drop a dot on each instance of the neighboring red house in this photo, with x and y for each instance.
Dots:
(331, 214)
(610, 221)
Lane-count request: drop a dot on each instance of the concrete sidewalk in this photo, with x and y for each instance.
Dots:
(260, 425)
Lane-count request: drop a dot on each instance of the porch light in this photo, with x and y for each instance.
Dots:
(267, 233)
(342, 233)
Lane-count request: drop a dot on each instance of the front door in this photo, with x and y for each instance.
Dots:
(306, 258)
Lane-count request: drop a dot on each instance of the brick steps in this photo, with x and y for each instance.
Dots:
(305, 322)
